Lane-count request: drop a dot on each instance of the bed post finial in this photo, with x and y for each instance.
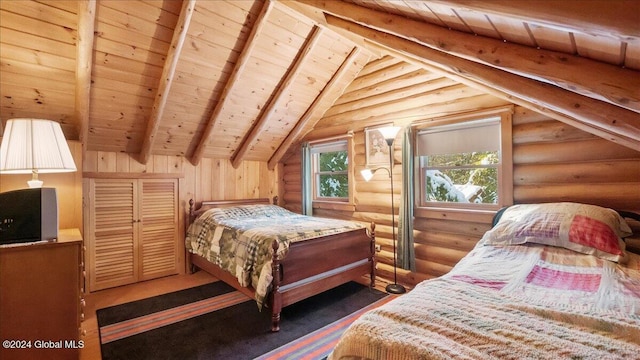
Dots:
(191, 214)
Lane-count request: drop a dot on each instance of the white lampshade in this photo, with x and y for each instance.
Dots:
(389, 132)
(32, 146)
(367, 174)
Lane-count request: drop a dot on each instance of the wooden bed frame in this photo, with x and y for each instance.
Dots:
(337, 259)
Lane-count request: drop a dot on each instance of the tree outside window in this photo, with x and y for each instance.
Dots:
(331, 171)
(460, 163)
(462, 178)
(332, 175)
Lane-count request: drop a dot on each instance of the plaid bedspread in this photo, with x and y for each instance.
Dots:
(516, 302)
(239, 239)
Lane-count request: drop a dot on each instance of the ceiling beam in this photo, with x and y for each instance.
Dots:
(572, 73)
(238, 68)
(316, 15)
(84, 56)
(168, 71)
(600, 118)
(274, 104)
(617, 18)
(312, 111)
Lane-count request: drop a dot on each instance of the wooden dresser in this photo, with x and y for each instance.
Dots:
(41, 299)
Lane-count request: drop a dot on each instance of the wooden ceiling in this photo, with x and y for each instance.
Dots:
(246, 79)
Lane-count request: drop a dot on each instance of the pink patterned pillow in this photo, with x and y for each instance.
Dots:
(594, 233)
(587, 229)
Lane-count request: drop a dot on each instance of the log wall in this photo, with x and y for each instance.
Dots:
(552, 162)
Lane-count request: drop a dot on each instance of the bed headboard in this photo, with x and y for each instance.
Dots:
(211, 204)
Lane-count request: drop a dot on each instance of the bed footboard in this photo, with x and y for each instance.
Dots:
(316, 265)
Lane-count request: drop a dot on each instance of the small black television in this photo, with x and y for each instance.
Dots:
(28, 215)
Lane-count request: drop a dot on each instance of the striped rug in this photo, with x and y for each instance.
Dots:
(153, 328)
(121, 330)
(318, 344)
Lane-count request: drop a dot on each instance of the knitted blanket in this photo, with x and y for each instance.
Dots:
(524, 302)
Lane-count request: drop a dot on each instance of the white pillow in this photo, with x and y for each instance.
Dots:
(587, 229)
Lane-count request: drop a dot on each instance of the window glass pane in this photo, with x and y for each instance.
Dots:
(462, 178)
(331, 171)
(462, 184)
(333, 161)
(334, 185)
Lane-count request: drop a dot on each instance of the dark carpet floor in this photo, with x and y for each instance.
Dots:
(237, 332)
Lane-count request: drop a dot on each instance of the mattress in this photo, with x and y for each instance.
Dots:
(239, 239)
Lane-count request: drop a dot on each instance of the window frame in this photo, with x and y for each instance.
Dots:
(345, 144)
(504, 166)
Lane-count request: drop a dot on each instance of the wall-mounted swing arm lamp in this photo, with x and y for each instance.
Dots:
(389, 134)
(32, 146)
(367, 174)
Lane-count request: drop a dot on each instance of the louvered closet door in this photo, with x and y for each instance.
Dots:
(159, 228)
(111, 249)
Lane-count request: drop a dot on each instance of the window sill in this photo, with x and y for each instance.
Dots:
(333, 205)
(447, 213)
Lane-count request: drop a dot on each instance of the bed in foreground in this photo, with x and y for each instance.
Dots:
(526, 291)
(276, 256)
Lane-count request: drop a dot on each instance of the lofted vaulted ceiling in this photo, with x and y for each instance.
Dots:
(246, 79)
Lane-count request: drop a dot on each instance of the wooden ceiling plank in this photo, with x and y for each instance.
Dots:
(304, 121)
(448, 16)
(36, 58)
(168, 71)
(84, 60)
(155, 13)
(609, 18)
(242, 61)
(40, 73)
(600, 118)
(316, 16)
(274, 103)
(33, 42)
(37, 27)
(576, 74)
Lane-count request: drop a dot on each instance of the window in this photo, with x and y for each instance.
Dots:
(331, 171)
(460, 164)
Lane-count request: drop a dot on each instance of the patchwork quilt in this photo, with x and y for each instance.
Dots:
(528, 301)
(239, 239)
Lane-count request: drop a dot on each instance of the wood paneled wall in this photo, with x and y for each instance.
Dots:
(552, 162)
(211, 179)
